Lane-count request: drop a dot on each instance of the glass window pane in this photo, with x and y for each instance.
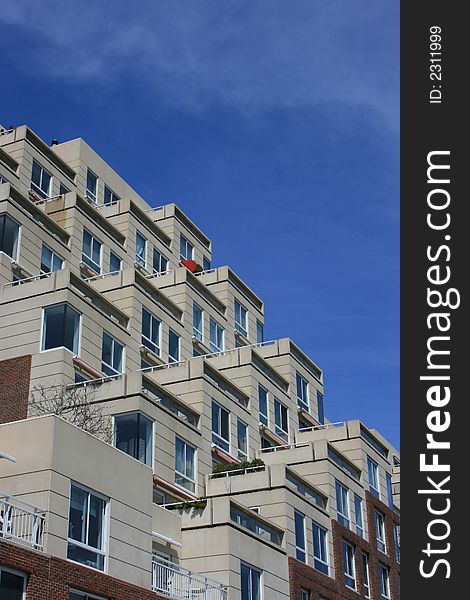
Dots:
(11, 586)
(9, 230)
(78, 514)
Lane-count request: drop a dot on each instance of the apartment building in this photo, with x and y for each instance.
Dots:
(216, 474)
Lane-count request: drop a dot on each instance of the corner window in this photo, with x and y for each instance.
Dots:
(389, 490)
(12, 584)
(396, 538)
(114, 263)
(373, 472)
(380, 530)
(320, 548)
(342, 504)
(9, 236)
(220, 427)
(359, 515)
(365, 574)
(151, 331)
(140, 249)
(186, 249)
(160, 262)
(281, 419)
(111, 355)
(259, 332)
(91, 251)
(41, 180)
(250, 582)
(242, 440)
(206, 263)
(384, 582)
(198, 322)
(216, 337)
(63, 189)
(133, 435)
(91, 185)
(61, 328)
(302, 392)
(304, 594)
(76, 595)
(241, 318)
(263, 405)
(86, 535)
(109, 196)
(185, 467)
(349, 566)
(173, 347)
(50, 261)
(300, 546)
(321, 408)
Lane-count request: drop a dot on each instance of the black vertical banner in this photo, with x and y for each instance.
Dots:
(435, 253)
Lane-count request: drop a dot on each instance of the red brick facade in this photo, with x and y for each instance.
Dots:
(50, 578)
(15, 375)
(321, 586)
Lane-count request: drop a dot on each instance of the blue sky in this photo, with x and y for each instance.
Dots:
(273, 124)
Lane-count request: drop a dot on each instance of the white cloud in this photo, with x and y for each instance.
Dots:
(251, 55)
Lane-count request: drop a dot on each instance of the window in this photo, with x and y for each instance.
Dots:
(259, 332)
(206, 264)
(160, 262)
(41, 180)
(220, 426)
(50, 261)
(198, 322)
(61, 328)
(281, 419)
(185, 465)
(140, 249)
(373, 471)
(9, 236)
(150, 331)
(216, 337)
(250, 521)
(91, 251)
(320, 549)
(12, 584)
(321, 408)
(242, 440)
(389, 490)
(91, 185)
(111, 355)
(80, 377)
(250, 582)
(186, 249)
(349, 567)
(86, 536)
(63, 190)
(241, 318)
(263, 405)
(396, 538)
(384, 581)
(342, 504)
(109, 196)
(380, 530)
(359, 515)
(365, 574)
(300, 546)
(133, 435)
(173, 347)
(114, 263)
(304, 594)
(76, 595)
(302, 392)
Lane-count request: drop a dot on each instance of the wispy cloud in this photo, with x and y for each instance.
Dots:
(251, 55)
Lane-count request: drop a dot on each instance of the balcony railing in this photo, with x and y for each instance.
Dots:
(21, 521)
(323, 426)
(175, 582)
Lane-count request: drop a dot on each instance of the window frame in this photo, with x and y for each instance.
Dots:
(114, 198)
(23, 576)
(349, 565)
(380, 536)
(388, 479)
(373, 474)
(37, 188)
(303, 385)
(321, 407)
(53, 256)
(358, 504)
(186, 242)
(251, 596)
(141, 260)
(76, 345)
(241, 454)
(344, 518)
(217, 438)
(259, 330)
(320, 563)
(192, 482)
(16, 245)
(85, 595)
(161, 258)
(396, 539)
(87, 259)
(115, 342)
(116, 256)
(146, 340)
(365, 574)
(198, 333)
(104, 532)
(384, 581)
(278, 427)
(240, 315)
(173, 359)
(150, 449)
(93, 196)
(300, 552)
(212, 345)
(260, 414)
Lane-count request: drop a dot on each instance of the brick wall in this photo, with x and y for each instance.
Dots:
(50, 578)
(15, 374)
(322, 586)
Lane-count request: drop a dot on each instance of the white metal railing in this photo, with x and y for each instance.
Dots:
(157, 208)
(284, 447)
(27, 279)
(101, 276)
(231, 472)
(96, 381)
(21, 521)
(324, 426)
(176, 582)
(209, 355)
(156, 274)
(199, 273)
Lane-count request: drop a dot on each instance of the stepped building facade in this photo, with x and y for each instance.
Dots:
(152, 443)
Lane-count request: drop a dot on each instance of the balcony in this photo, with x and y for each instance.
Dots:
(21, 522)
(173, 581)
